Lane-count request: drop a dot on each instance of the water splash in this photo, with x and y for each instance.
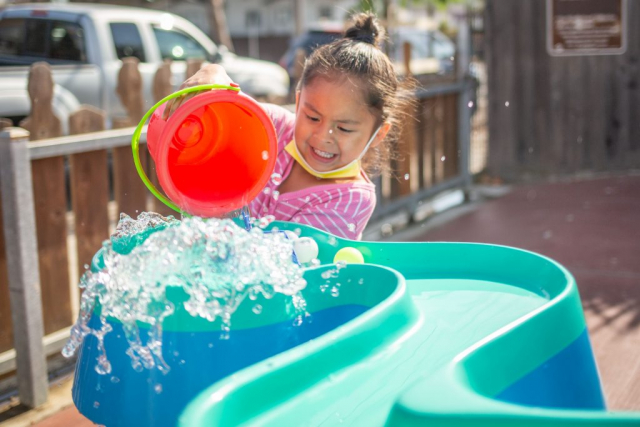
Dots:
(216, 263)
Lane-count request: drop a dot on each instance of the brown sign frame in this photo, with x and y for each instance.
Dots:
(553, 51)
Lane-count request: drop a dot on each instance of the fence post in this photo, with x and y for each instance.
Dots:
(22, 266)
(464, 111)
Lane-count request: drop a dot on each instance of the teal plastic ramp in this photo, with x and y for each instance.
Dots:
(481, 335)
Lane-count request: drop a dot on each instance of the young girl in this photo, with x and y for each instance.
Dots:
(347, 105)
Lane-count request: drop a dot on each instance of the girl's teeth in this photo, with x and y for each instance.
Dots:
(323, 154)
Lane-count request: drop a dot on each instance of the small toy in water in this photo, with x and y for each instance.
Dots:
(306, 249)
(349, 255)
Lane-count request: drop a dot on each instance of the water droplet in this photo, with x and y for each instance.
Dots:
(335, 291)
(360, 282)
(210, 345)
(265, 155)
(443, 158)
(115, 380)
(96, 404)
(547, 234)
(158, 388)
(297, 321)
(506, 104)
(276, 178)
(351, 227)
(86, 266)
(266, 190)
(324, 287)
(332, 241)
(257, 309)
(470, 104)
(276, 195)
(406, 176)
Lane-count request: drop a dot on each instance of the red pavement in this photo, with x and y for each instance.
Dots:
(592, 227)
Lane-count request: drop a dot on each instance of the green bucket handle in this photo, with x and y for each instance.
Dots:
(135, 139)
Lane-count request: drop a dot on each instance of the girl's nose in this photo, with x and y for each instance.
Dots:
(328, 133)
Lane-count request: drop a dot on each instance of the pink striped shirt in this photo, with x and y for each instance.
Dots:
(340, 209)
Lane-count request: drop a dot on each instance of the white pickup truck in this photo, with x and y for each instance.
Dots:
(84, 43)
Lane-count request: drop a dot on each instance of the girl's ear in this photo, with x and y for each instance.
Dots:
(382, 134)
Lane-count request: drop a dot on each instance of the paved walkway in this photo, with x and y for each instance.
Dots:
(592, 227)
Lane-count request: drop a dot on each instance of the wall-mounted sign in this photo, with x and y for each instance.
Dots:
(586, 27)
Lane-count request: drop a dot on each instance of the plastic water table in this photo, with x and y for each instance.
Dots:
(437, 334)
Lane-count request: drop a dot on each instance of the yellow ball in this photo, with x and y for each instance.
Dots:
(349, 255)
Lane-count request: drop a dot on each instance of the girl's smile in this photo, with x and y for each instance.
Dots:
(333, 123)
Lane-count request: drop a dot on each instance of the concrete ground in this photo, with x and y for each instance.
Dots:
(590, 225)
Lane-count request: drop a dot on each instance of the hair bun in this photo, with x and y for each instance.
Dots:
(365, 28)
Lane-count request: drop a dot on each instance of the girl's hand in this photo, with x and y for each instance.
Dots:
(208, 74)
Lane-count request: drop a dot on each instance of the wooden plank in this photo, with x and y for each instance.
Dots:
(428, 152)
(50, 208)
(406, 148)
(156, 204)
(50, 203)
(451, 156)
(420, 145)
(6, 332)
(19, 224)
(129, 190)
(161, 88)
(89, 188)
(193, 65)
(6, 328)
(438, 153)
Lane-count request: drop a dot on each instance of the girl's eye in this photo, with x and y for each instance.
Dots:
(344, 130)
(313, 119)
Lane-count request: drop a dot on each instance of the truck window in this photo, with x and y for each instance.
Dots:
(178, 46)
(127, 40)
(47, 39)
(11, 36)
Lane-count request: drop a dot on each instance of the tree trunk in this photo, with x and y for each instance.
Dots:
(219, 21)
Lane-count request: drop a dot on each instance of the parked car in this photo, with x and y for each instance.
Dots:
(432, 51)
(84, 43)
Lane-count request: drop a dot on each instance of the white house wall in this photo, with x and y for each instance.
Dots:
(277, 16)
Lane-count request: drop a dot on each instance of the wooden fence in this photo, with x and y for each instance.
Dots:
(435, 147)
(551, 115)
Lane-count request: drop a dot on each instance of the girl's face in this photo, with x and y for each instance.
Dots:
(333, 123)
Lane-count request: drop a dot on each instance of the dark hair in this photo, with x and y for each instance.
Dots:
(358, 55)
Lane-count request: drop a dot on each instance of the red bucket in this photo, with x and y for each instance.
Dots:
(214, 154)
